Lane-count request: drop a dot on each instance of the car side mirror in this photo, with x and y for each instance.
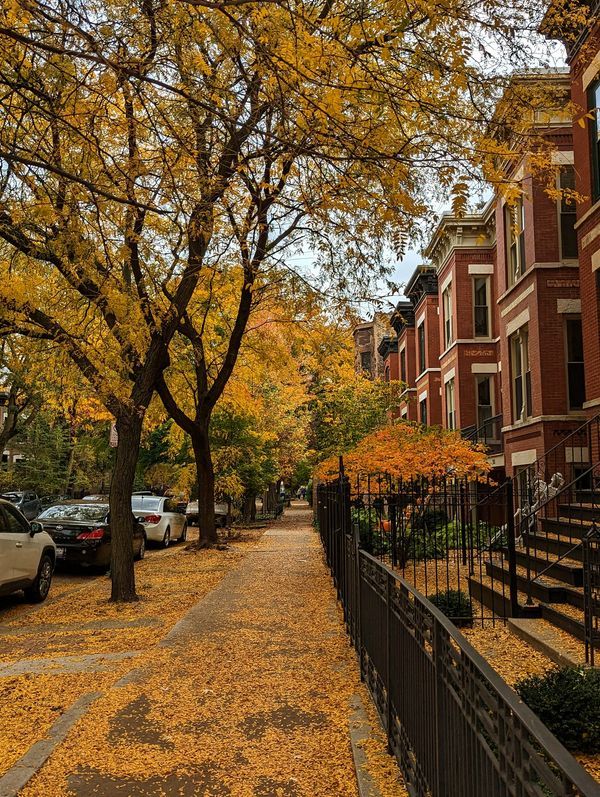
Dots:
(35, 528)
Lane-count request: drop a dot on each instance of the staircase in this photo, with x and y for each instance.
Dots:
(555, 560)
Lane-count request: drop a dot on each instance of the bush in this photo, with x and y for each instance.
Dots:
(455, 604)
(567, 701)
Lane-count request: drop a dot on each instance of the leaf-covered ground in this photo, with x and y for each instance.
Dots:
(249, 696)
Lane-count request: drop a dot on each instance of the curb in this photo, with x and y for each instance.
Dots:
(360, 731)
(25, 768)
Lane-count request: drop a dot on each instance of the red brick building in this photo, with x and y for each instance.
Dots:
(388, 351)
(539, 307)
(422, 292)
(583, 48)
(403, 323)
(463, 253)
(367, 336)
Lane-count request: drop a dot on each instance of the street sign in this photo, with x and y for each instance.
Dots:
(113, 439)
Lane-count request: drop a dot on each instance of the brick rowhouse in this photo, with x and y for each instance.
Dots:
(583, 56)
(539, 296)
(463, 253)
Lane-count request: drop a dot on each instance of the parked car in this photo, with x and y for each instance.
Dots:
(50, 500)
(160, 518)
(81, 531)
(26, 502)
(27, 555)
(191, 513)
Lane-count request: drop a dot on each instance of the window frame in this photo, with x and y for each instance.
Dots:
(403, 371)
(362, 365)
(561, 213)
(489, 378)
(593, 94)
(488, 305)
(513, 215)
(581, 363)
(421, 341)
(450, 394)
(447, 315)
(519, 341)
(423, 419)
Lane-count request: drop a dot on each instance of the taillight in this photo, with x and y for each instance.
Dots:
(152, 518)
(96, 534)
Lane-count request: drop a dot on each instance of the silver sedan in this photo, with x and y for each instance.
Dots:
(160, 518)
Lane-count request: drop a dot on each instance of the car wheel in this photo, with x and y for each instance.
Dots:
(167, 538)
(183, 537)
(40, 588)
(142, 551)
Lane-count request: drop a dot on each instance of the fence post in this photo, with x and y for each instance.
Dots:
(512, 554)
(359, 644)
(388, 655)
(440, 736)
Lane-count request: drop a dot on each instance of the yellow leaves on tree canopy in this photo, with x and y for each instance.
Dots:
(405, 450)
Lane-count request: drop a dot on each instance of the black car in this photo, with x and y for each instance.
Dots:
(81, 532)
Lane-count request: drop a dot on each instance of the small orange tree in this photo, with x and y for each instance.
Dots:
(412, 453)
(407, 450)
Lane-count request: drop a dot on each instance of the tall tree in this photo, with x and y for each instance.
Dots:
(145, 144)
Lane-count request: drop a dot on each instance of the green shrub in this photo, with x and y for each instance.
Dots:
(455, 604)
(567, 701)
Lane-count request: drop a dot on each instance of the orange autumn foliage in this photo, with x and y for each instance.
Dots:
(406, 450)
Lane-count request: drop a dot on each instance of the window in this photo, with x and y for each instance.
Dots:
(421, 335)
(387, 373)
(450, 409)
(575, 370)
(481, 305)
(12, 522)
(484, 393)
(594, 106)
(521, 375)
(447, 310)
(568, 215)
(514, 224)
(404, 414)
(365, 361)
(403, 365)
(423, 411)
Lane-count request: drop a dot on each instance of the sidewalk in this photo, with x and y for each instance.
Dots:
(248, 695)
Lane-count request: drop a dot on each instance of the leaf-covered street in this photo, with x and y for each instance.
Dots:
(249, 694)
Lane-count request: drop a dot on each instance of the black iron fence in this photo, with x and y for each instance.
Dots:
(452, 539)
(455, 728)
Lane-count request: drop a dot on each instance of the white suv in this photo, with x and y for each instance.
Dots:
(27, 555)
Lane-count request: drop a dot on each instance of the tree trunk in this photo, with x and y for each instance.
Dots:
(206, 485)
(129, 429)
(249, 507)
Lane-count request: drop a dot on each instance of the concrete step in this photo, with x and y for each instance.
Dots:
(564, 526)
(568, 573)
(540, 590)
(555, 545)
(564, 621)
(491, 595)
(588, 496)
(548, 640)
(580, 510)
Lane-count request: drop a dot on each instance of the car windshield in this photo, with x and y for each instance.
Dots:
(86, 513)
(148, 503)
(14, 498)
